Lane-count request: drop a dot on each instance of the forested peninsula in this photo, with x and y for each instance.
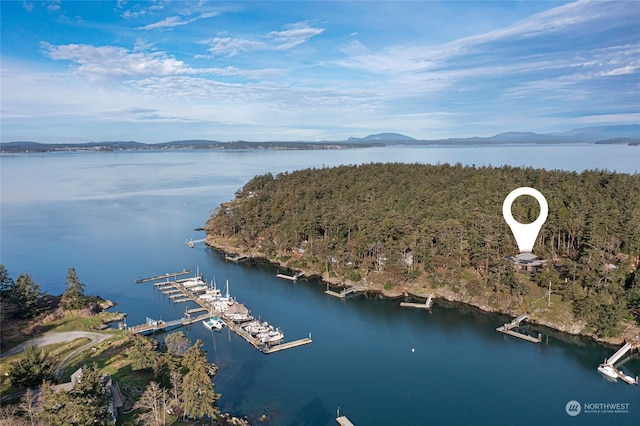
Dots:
(409, 230)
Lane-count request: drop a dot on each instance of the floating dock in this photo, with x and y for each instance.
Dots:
(162, 277)
(426, 305)
(346, 292)
(508, 330)
(627, 347)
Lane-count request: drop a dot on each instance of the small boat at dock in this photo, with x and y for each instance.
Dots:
(608, 371)
(194, 282)
(256, 327)
(272, 337)
(213, 323)
(239, 317)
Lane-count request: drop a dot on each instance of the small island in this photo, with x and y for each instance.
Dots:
(411, 230)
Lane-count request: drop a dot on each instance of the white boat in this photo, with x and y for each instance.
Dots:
(256, 327)
(199, 288)
(193, 282)
(226, 298)
(608, 371)
(219, 305)
(239, 317)
(213, 323)
(272, 337)
(212, 293)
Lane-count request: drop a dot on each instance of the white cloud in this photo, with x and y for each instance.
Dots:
(169, 22)
(176, 21)
(294, 35)
(227, 46)
(110, 61)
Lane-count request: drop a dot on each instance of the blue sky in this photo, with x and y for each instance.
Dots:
(157, 71)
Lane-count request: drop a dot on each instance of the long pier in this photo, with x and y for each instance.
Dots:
(508, 330)
(151, 325)
(161, 277)
(179, 293)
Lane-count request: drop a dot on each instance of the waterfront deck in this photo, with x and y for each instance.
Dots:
(426, 305)
(347, 291)
(508, 330)
(236, 257)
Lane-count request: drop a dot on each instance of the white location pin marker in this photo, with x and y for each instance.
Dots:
(525, 234)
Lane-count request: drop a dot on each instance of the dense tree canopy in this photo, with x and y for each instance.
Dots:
(442, 221)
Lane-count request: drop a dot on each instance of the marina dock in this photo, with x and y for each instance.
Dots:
(179, 293)
(508, 330)
(426, 305)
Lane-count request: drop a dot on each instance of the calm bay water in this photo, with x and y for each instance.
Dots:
(117, 217)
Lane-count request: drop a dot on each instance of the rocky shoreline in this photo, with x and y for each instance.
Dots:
(573, 329)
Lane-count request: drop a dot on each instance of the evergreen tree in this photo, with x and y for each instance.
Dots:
(25, 295)
(73, 297)
(55, 407)
(84, 405)
(89, 399)
(6, 283)
(6, 287)
(198, 396)
(142, 353)
(31, 369)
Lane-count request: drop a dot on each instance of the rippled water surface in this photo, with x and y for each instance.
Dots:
(120, 216)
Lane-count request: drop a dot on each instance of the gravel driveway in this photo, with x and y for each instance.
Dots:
(57, 337)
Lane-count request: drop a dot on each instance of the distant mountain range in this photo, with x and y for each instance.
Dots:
(625, 134)
(393, 137)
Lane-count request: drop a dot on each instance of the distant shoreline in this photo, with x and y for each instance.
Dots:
(371, 141)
